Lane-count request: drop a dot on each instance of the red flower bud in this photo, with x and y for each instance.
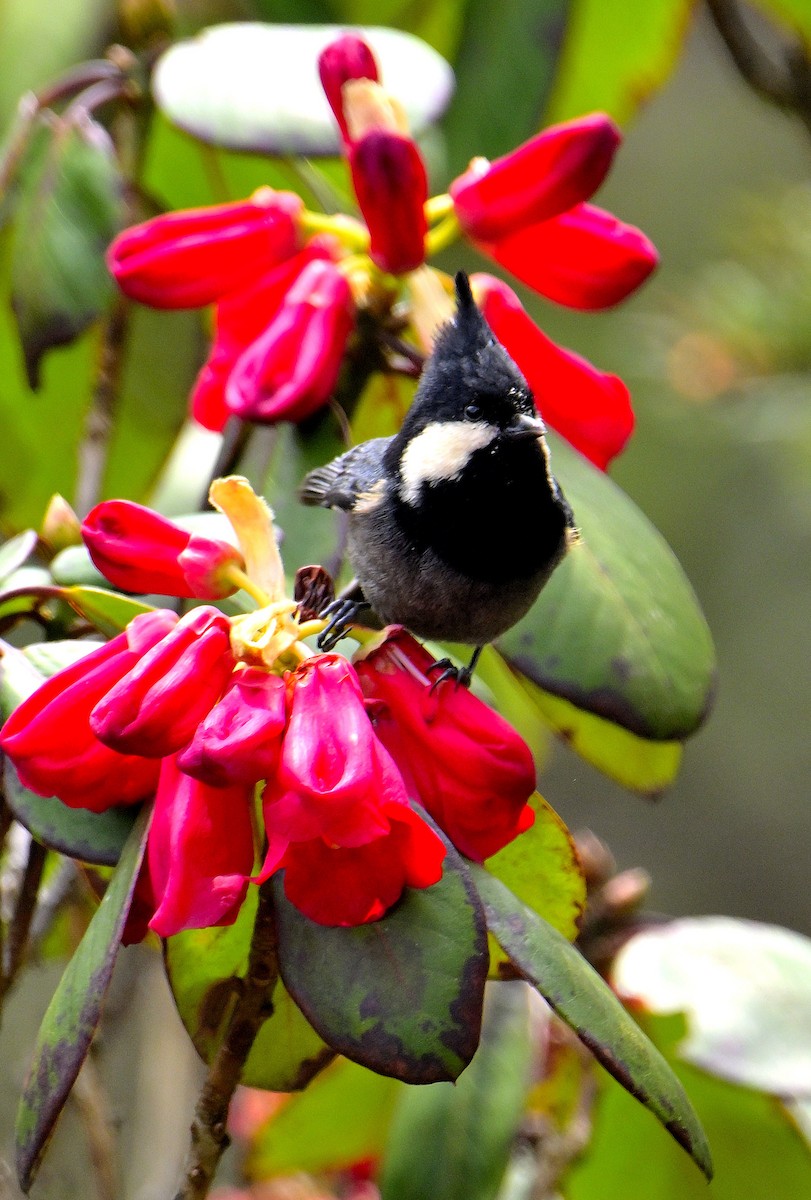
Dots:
(289, 372)
(156, 707)
(241, 738)
(469, 767)
(584, 258)
(348, 57)
(591, 409)
(339, 885)
(140, 551)
(540, 179)
(49, 739)
(391, 186)
(242, 317)
(199, 852)
(190, 258)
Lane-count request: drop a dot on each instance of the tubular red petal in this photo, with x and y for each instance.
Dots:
(585, 258)
(391, 186)
(348, 57)
(199, 852)
(240, 740)
(138, 550)
(191, 258)
(588, 407)
(542, 178)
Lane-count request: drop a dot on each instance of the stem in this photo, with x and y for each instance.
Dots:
(94, 1108)
(234, 438)
(20, 924)
(95, 445)
(209, 1138)
(785, 79)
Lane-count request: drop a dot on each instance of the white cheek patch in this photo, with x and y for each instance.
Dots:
(440, 453)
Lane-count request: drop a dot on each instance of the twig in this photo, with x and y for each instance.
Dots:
(209, 1138)
(94, 1107)
(95, 444)
(20, 924)
(234, 438)
(784, 79)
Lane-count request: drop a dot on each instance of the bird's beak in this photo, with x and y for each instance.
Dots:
(525, 426)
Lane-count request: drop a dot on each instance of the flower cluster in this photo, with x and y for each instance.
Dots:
(207, 712)
(290, 285)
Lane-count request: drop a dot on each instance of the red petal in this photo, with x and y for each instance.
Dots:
(348, 57)
(391, 186)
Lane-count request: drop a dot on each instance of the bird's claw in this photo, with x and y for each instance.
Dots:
(343, 614)
(449, 670)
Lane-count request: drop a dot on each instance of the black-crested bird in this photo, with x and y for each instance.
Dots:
(456, 522)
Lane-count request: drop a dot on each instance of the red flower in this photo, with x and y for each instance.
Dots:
(199, 852)
(585, 257)
(289, 372)
(542, 178)
(140, 551)
(470, 769)
(49, 739)
(155, 708)
(591, 409)
(391, 187)
(241, 738)
(348, 57)
(190, 258)
(241, 318)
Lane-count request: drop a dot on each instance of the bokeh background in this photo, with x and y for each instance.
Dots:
(717, 351)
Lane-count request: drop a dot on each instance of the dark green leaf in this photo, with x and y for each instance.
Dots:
(614, 56)
(16, 551)
(453, 1141)
(90, 837)
(403, 995)
(759, 1154)
(617, 630)
(73, 1014)
(205, 967)
(71, 210)
(342, 1118)
(110, 612)
(685, 966)
(585, 1002)
(255, 87)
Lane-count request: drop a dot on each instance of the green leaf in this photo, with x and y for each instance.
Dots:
(615, 56)
(16, 551)
(617, 631)
(110, 612)
(729, 978)
(73, 565)
(97, 838)
(205, 967)
(795, 15)
(540, 867)
(759, 1154)
(71, 209)
(581, 998)
(403, 995)
(343, 1117)
(73, 1014)
(465, 1131)
(255, 87)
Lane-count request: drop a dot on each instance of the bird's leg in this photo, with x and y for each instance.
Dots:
(343, 613)
(461, 675)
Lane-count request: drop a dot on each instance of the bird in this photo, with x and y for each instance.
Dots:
(455, 523)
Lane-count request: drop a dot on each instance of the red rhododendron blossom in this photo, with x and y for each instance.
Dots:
(241, 318)
(348, 57)
(471, 770)
(155, 708)
(590, 408)
(585, 258)
(391, 187)
(199, 853)
(49, 740)
(340, 885)
(334, 775)
(241, 738)
(140, 551)
(191, 258)
(290, 371)
(550, 173)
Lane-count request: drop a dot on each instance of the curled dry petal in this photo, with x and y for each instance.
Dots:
(590, 408)
(542, 178)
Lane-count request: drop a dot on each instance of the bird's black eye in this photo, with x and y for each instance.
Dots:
(473, 412)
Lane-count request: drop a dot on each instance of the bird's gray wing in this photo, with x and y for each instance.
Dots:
(352, 482)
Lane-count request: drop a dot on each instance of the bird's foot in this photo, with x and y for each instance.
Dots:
(342, 613)
(449, 670)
